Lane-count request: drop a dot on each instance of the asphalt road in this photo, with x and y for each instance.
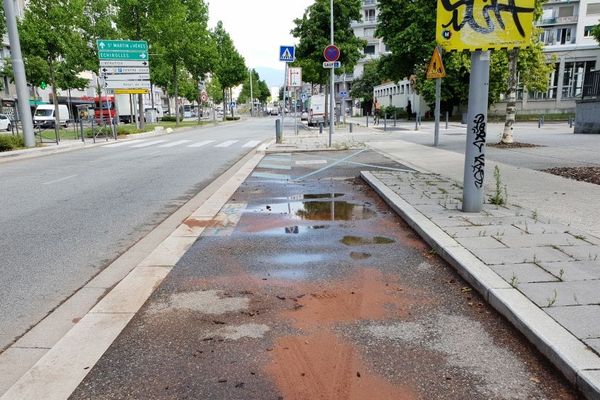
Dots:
(65, 217)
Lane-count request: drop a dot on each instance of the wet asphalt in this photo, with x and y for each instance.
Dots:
(312, 288)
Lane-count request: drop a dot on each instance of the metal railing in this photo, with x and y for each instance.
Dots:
(591, 86)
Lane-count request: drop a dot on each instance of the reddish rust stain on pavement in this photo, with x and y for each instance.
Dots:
(197, 223)
(321, 366)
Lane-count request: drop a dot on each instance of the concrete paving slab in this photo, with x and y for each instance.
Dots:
(516, 274)
(583, 253)
(15, 362)
(555, 294)
(444, 222)
(589, 383)
(480, 220)
(478, 231)
(169, 251)
(574, 270)
(539, 228)
(540, 240)
(118, 270)
(61, 369)
(192, 227)
(484, 242)
(522, 255)
(582, 321)
(594, 344)
(56, 325)
(131, 293)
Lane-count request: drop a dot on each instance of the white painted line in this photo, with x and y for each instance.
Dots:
(311, 162)
(252, 143)
(227, 143)
(59, 180)
(173, 144)
(125, 143)
(200, 144)
(152, 143)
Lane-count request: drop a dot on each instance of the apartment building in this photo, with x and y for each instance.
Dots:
(566, 27)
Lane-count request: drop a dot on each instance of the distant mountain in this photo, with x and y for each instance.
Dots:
(273, 77)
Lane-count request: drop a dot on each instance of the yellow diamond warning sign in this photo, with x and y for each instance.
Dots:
(436, 67)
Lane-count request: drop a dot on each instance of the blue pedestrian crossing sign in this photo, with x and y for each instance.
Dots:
(287, 53)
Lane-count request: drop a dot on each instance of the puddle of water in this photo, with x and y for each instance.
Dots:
(298, 258)
(293, 230)
(360, 241)
(318, 210)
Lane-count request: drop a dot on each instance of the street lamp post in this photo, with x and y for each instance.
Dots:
(331, 85)
(19, 71)
(251, 96)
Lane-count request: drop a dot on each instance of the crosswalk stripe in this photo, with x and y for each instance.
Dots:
(227, 143)
(252, 143)
(152, 143)
(173, 144)
(128, 142)
(200, 144)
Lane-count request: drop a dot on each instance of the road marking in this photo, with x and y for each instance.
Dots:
(227, 143)
(273, 166)
(331, 165)
(252, 143)
(124, 143)
(267, 175)
(173, 144)
(59, 180)
(311, 162)
(152, 143)
(200, 144)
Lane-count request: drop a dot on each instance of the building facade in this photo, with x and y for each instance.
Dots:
(566, 27)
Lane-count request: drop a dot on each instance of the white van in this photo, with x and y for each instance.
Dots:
(316, 109)
(44, 115)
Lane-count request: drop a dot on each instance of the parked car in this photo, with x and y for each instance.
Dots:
(304, 116)
(5, 123)
(274, 111)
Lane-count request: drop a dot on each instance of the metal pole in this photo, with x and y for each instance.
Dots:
(251, 95)
(446, 120)
(332, 84)
(474, 173)
(343, 108)
(285, 81)
(295, 112)
(438, 95)
(19, 72)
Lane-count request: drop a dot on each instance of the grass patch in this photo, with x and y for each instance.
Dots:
(11, 142)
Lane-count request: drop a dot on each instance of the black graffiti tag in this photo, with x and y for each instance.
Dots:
(493, 8)
(479, 170)
(479, 131)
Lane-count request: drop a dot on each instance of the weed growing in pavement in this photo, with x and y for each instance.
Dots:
(552, 300)
(514, 282)
(534, 215)
(561, 273)
(575, 299)
(580, 237)
(498, 198)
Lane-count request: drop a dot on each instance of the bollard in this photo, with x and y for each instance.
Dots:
(278, 135)
(571, 122)
(446, 120)
(367, 120)
(385, 122)
(539, 122)
(416, 122)
(350, 126)
(320, 127)
(394, 119)
(542, 120)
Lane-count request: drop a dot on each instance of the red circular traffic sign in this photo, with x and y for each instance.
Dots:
(331, 53)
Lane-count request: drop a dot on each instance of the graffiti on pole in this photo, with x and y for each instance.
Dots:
(484, 24)
(479, 129)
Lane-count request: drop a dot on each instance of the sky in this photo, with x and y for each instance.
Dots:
(258, 27)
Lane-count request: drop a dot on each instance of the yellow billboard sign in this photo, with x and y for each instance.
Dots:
(131, 91)
(484, 24)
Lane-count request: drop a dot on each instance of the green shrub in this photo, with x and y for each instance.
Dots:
(390, 110)
(11, 142)
(168, 118)
(232, 118)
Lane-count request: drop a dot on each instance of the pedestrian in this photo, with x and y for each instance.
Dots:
(409, 110)
(377, 107)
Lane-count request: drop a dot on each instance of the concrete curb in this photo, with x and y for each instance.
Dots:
(62, 368)
(571, 356)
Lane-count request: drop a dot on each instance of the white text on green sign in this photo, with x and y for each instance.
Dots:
(123, 45)
(122, 55)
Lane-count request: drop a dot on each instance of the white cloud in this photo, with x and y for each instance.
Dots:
(258, 27)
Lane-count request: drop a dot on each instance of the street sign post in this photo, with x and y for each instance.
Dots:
(479, 27)
(125, 70)
(331, 53)
(343, 94)
(287, 54)
(295, 77)
(131, 91)
(436, 71)
(332, 64)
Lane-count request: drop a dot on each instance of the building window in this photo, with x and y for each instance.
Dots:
(370, 15)
(563, 36)
(552, 86)
(574, 76)
(370, 49)
(593, 8)
(565, 11)
(587, 31)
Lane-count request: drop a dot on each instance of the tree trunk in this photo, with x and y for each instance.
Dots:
(55, 101)
(231, 101)
(224, 104)
(176, 86)
(511, 101)
(141, 111)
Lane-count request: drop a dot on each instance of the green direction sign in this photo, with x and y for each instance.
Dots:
(123, 55)
(122, 45)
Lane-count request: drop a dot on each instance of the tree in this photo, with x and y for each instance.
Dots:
(363, 86)
(50, 37)
(313, 32)
(245, 93)
(596, 33)
(230, 67)
(214, 90)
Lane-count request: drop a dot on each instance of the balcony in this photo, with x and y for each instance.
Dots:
(559, 21)
(367, 3)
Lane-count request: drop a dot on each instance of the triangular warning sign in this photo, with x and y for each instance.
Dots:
(436, 66)
(286, 55)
